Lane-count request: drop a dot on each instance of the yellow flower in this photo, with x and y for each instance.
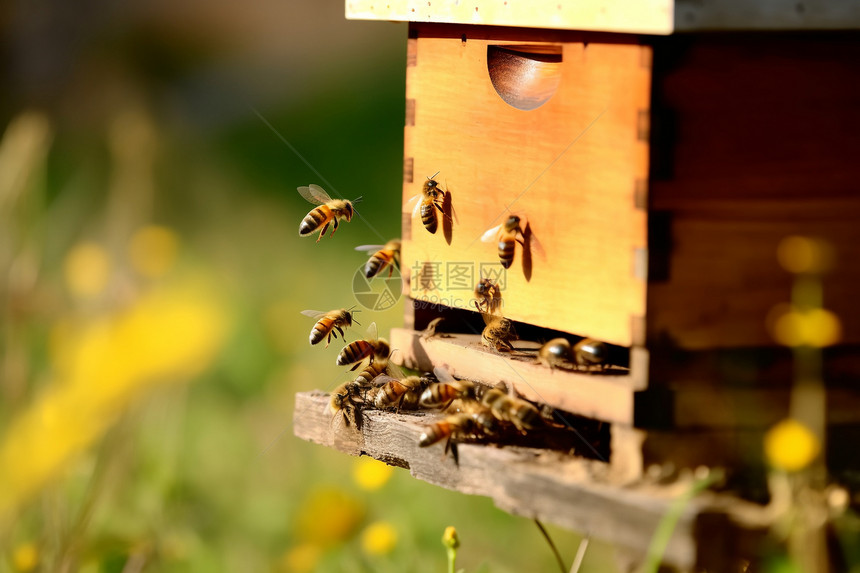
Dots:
(25, 557)
(450, 539)
(153, 250)
(301, 558)
(798, 254)
(371, 474)
(790, 446)
(329, 516)
(379, 538)
(170, 334)
(816, 327)
(87, 269)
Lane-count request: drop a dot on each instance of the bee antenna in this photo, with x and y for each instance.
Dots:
(434, 175)
(357, 199)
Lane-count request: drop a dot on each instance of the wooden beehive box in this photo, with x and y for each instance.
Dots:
(659, 167)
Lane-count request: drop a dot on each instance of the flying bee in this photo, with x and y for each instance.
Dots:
(329, 322)
(329, 211)
(431, 198)
(446, 390)
(373, 347)
(555, 353)
(488, 296)
(506, 234)
(398, 390)
(522, 414)
(589, 352)
(387, 255)
(346, 399)
(498, 333)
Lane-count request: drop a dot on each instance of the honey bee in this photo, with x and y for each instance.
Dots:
(430, 200)
(384, 256)
(446, 390)
(329, 322)
(372, 371)
(506, 234)
(555, 352)
(372, 346)
(498, 333)
(329, 211)
(589, 352)
(456, 425)
(346, 399)
(522, 414)
(398, 390)
(488, 296)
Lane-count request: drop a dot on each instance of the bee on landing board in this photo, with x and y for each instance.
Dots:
(428, 202)
(329, 212)
(589, 352)
(446, 390)
(328, 323)
(387, 255)
(522, 414)
(398, 390)
(498, 333)
(346, 399)
(555, 353)
(370, 346)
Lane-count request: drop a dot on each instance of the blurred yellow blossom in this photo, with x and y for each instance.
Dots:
(798, 254)
(790, 446)
(152, 250)
(371, 474)
(379, 538)
(87, 269)
(302, 558)
(169, 334)
(329, 516)
(816, 327)
(25, 557)
(450, 538)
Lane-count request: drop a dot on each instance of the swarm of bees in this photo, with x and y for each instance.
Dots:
(472, 411)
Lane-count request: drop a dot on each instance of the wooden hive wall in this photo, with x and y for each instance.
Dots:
(575, 167)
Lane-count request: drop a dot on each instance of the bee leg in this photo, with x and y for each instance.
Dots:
(340, 330)
(357, 364)
(324, 229)
(334, 227)
(390, 271)
(455, 454)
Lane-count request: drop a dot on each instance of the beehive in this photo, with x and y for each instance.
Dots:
(658, 175)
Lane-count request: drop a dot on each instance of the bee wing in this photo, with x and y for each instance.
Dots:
(396, 371)
(491, 234)
(442, 374)
(491, 318)
(369, 248)
(535, 244)
(372, 333)
(415, 204)
(315, 194)
(316, 314)
(382, 380)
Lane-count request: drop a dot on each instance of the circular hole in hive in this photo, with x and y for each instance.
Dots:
(525, 77)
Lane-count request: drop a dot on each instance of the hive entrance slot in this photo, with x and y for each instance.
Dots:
(525, 76)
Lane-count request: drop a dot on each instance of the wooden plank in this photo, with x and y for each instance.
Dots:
(746, 151)
(601, 396)
(572, 167)
(571, 492)
(648, 17)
